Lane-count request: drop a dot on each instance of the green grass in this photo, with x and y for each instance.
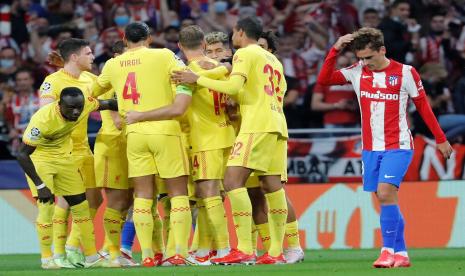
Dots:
(323, 262)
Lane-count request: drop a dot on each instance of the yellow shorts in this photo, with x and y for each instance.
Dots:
(85, 163)
(210, 164)
(111, 171)
(161, 185)
(255, 151)
(164, 155)
(252, 182)
(60, 175)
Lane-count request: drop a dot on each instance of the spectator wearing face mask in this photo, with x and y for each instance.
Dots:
(9, 63)
(121, 17)
(216, 18)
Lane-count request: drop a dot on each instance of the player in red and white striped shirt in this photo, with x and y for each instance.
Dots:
(383, 87)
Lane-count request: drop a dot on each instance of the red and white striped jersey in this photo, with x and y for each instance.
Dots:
(383, 97)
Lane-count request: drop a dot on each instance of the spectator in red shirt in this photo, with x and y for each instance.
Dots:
(338, 102)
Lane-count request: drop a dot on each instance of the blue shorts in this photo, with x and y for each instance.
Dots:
(387, 166)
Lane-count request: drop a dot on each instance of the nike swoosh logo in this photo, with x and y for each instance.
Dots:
(389, 232)
(365, 77)
(389, 176)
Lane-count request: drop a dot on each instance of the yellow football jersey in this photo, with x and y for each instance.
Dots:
(109, 137)
(141, 79)
(52, 87)
(50, 133)
(260, 106)
(210, 128)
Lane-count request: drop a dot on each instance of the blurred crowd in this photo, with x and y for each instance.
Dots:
(428, 34)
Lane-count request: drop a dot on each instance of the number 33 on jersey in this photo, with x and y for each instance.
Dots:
(262, 95)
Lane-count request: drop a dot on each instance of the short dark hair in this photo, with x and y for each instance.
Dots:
(370, 10)
(367, 37)
(71, 92)
(251, 26)
(118, 47)
(136, 31)
(271, 39)
(398, 2)
(24, 70)
(71, 46)
(191, 37)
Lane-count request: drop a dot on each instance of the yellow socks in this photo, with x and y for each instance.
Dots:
(242, 215)
(157, 235)
(254, 237)
(112, 223)
(217, 219)
(292, 234)
(44, 226)
(264, 232)
(83, 221)
(74, 235)
(167, 234)
(203, 228)
(60, 229)
(277, 216)
(180, 223)
(143, 222)
(195, 237)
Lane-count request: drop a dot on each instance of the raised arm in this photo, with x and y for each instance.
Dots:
(328, 75)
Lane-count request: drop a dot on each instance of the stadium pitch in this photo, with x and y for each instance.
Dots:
(317, 262)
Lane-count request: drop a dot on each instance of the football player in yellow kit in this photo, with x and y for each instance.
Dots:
(211, 138)
(257, 80)
(78, 58)
(152, 147)
(46, 157)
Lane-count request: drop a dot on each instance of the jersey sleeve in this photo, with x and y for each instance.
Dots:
(242, 62)
(108, 95)
(33, 135)
(328, 75)
(50, 88)
(412, 82)
(103, 81)
(176, 63)
(415, 89)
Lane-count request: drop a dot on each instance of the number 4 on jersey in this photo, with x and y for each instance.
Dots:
(130, 88)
